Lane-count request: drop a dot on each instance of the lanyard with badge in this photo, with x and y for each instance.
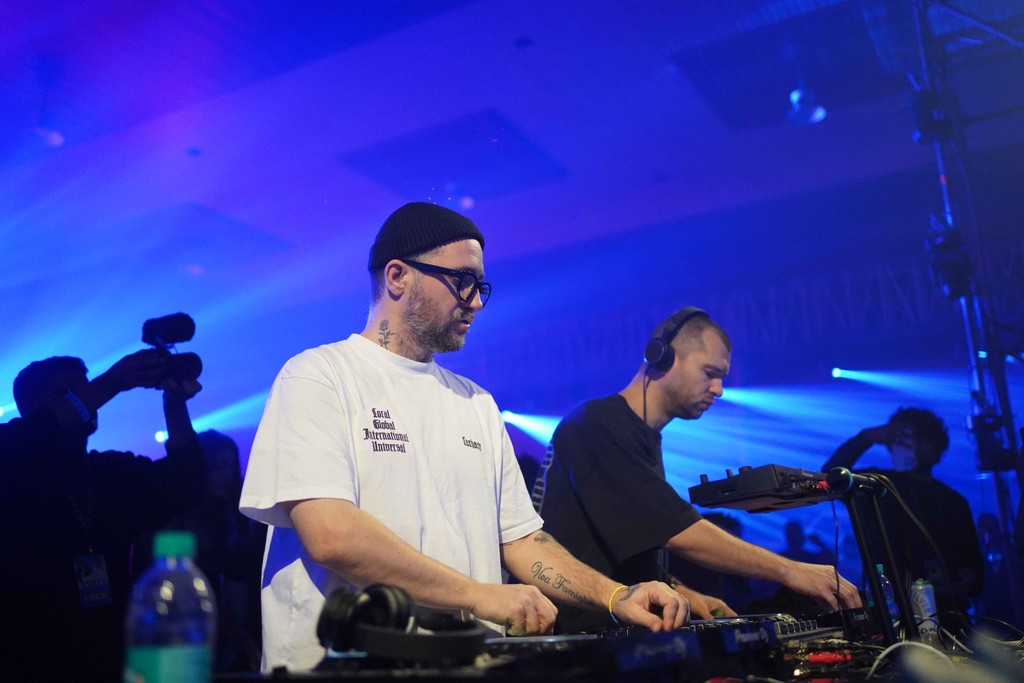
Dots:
(90, 568)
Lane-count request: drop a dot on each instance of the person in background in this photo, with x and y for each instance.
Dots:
(69, 516)
(796, 549)
(229, 549)
(917, 438)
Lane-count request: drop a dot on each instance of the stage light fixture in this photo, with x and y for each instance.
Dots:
(805, 109)
(837, 372)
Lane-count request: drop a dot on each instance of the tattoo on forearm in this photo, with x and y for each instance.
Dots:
(559, 583)
(385, 333)
(544, 537)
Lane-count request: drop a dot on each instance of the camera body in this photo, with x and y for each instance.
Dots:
(163, 333)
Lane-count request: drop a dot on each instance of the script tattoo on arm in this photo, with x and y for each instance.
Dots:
(385, 333)
(559, 583)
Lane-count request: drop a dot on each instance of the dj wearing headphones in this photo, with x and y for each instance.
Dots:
(602, 490)
(374, 465)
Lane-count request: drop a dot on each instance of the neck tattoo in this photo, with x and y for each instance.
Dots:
(384, 333)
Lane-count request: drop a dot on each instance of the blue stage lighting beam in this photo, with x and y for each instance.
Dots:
(811, 404)
(243, 413)
(933, 386)
(539, 427)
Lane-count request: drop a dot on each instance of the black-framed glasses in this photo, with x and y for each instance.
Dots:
(466, 283)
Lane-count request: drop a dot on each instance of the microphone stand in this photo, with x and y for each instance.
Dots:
(901, 594)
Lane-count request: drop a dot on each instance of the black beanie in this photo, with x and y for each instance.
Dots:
(418, 227)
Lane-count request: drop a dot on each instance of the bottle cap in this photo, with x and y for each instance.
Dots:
(167, 543)
(878, 568)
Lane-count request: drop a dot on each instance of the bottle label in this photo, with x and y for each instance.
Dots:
(168, 663)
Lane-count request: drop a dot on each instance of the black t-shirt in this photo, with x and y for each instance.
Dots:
(606, 500)
(58, 503)
(947, 517)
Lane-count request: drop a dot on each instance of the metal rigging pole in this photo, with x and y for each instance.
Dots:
(938, 123)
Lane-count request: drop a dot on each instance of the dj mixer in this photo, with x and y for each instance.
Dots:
(719, 647)
(767, 645)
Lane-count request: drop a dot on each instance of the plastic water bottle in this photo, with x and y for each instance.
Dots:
(171, 625)
(888, 594)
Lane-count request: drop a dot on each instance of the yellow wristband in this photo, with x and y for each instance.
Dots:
(610, 599)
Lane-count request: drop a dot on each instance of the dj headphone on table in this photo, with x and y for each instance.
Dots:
(658, 353)
(382, 621)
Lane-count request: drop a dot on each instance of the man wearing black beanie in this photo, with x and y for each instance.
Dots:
(372, 464)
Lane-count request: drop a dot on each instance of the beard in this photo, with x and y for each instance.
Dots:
(428, 327)
(689, 408)
(692, 412)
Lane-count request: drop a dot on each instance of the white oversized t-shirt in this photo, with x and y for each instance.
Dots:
(420, 448)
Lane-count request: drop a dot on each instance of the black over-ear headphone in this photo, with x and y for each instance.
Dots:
(382, 621)
(658, 352)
